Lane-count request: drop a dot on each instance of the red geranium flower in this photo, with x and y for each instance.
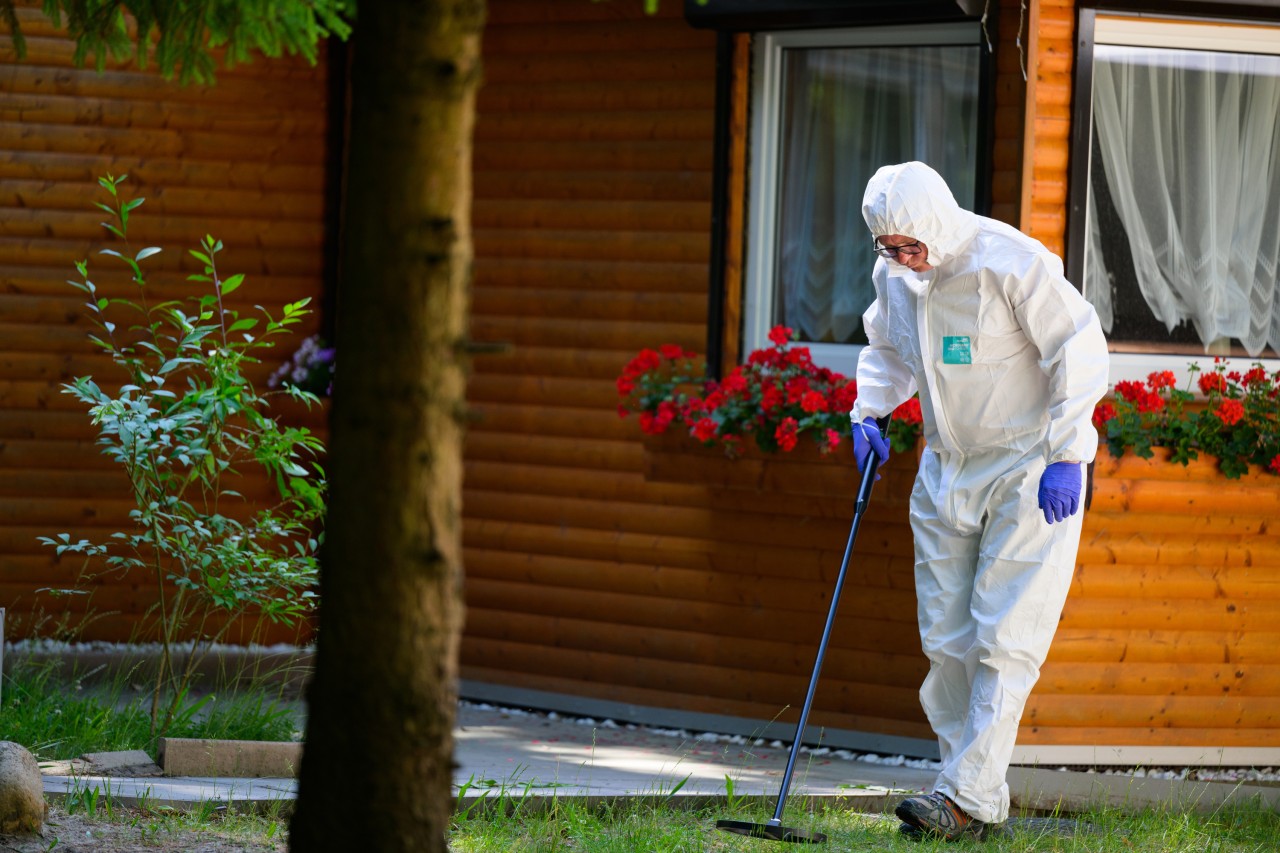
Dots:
(1230, 412)
(785, 434)
(812, 401)
(1213, 382)
(704, 429)
(909, 412)
(1102, 413)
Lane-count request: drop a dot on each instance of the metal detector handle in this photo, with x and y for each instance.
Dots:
(864, 494)
(864, 490)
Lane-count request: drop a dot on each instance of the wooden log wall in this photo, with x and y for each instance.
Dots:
(592, 213)
(1046, 145)
(699, 585)
(1170, 632)
(244, 160)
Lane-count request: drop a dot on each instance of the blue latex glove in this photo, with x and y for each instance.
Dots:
(1059, 493)
(867, 437)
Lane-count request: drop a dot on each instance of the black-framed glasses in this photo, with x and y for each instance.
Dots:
(892, 252)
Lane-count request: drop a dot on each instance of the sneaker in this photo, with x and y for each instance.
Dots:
(937, 816)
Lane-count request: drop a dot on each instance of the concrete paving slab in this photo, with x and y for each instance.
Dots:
(518, 755)
(1046, 790)
(183, 793)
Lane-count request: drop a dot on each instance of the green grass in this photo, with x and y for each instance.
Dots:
(65, 717)
(652, 826)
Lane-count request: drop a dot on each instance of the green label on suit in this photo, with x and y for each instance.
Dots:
(955, 350)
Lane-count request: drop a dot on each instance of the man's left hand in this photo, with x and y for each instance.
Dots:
(1059, 493)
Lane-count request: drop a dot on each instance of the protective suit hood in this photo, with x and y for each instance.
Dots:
(913, 200)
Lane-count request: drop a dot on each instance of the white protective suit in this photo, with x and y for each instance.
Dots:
(1009, 360)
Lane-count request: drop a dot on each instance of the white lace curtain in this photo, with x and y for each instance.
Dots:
(847, 112)
(1190, 143)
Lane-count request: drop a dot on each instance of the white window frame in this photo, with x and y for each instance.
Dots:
(1141, 29)
(766, 110)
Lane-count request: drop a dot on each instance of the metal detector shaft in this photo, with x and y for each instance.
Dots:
(864, 493)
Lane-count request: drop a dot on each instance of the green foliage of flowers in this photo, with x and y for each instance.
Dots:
(1235, 417)
(185, 420)
(777, 397)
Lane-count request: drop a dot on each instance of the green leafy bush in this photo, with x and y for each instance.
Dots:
(183, 423)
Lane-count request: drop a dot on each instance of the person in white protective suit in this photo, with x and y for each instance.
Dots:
(1009, 361)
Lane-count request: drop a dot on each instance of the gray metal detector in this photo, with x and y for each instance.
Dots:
(774, 829)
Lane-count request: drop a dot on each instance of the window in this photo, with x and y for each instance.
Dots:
(829, 108)
(1182, 235)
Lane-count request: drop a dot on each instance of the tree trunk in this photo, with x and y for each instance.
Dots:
(376, 772)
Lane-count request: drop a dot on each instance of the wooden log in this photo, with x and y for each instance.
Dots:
(587, 37)
(264, 232)
(53, 455)
(1100, 524)
(676, 247)
(627, 338)
(45, 425)
(16, 394)
(91, 485)
(682, 677)
(642, 518)
(587, 215)
(546, 391)
(151, 172)
(1160, 679)
(563, 421)
(505, 449)
(761, 655)
(126, 110)
(1153, 711)
(594, 96)
(498, 157)
(43, 294)
(521, 14)
(691, 126)
(1199, 583)
(589, 307)
(230, 94)
(807, 593)
(198, 145)
(577, 479)
(1178, 496)
(635, 185)
(1114, 644)
(699, 702)
(250, 260)
(557, 362)
(1094, 735)
(701, 617)
(1179, 549)
(1171, 614)
(576, 274)
(730, 560)
(693, 66)
(166, 202)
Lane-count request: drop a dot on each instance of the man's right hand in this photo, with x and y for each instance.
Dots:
(867, 439)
